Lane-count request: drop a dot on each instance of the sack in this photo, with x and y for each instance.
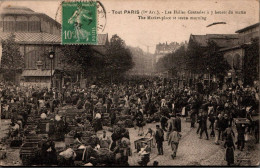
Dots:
(246, 137)
(69, 153)
(43, 116)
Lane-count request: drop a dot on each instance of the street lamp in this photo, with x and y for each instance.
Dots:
(51, 56)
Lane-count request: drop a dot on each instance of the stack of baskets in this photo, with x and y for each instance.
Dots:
(29, 149)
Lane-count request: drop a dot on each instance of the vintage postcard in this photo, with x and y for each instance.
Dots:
(129, 83)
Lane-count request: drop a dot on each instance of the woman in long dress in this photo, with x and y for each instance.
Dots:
(230, 148)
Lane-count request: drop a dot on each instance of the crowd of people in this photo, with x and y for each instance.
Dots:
(145, 100)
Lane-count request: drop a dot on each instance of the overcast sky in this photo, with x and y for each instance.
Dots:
(141, 33)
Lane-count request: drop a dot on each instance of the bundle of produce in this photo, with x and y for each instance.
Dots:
(129, 123)
(124, 117)
(105, 156)
(88, 133)
(149, 119)
(68, 154)
(121, 123)
(156, 117)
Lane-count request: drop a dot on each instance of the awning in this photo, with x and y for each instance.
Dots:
(37, 72)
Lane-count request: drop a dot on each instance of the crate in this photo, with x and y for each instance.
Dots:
(68, 140)
(28, 153)
(140, 143)
(32, 139)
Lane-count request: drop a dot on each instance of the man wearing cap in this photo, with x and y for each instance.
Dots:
(159, 138)
(204, 125)
(178, 122)
(173, 140)
(104, 140)
(171, 124)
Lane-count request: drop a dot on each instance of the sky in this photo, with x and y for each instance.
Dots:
(143, 33)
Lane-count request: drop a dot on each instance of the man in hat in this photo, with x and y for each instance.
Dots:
(159, 138)
(173, 140)
(171, 124)
(204, 125)
(178, 122)
(104, 140)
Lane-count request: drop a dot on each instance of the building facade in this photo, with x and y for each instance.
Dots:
(222, 41)
(236, 55)
(37, 34)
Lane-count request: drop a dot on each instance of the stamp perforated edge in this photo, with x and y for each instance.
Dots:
(62, 27)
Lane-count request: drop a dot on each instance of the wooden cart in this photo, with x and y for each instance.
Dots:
(140, 143)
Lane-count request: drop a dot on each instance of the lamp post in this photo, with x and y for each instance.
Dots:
(51, 56)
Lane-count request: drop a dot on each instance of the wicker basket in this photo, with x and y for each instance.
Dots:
(28, 153)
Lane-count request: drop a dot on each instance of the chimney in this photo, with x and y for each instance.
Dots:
(39, 65)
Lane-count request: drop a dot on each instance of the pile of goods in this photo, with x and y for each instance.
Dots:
(105, 156)
(153, 118)
(125, 120)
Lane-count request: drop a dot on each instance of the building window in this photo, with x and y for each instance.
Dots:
(34, 24)
(21, 24)
(9, 24)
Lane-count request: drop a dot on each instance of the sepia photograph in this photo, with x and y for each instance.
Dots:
(129, 83)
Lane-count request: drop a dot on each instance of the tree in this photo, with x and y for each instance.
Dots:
(196, 58)
(216, 64)
(175, 62)
(207, 59)
(12, 61)
(119, 58)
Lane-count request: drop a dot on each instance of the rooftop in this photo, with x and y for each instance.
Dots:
(222, 40)
(17, 10)
(44, 38)
(32, 38)
(20, 10)
(247, 28)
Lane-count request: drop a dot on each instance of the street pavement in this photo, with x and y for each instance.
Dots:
(191, 151)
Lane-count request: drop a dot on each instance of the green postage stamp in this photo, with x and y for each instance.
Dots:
(79, 22)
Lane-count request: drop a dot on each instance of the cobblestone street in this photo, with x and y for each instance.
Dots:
(191, 150)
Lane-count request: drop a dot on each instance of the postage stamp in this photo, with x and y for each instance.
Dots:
(79, 22)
